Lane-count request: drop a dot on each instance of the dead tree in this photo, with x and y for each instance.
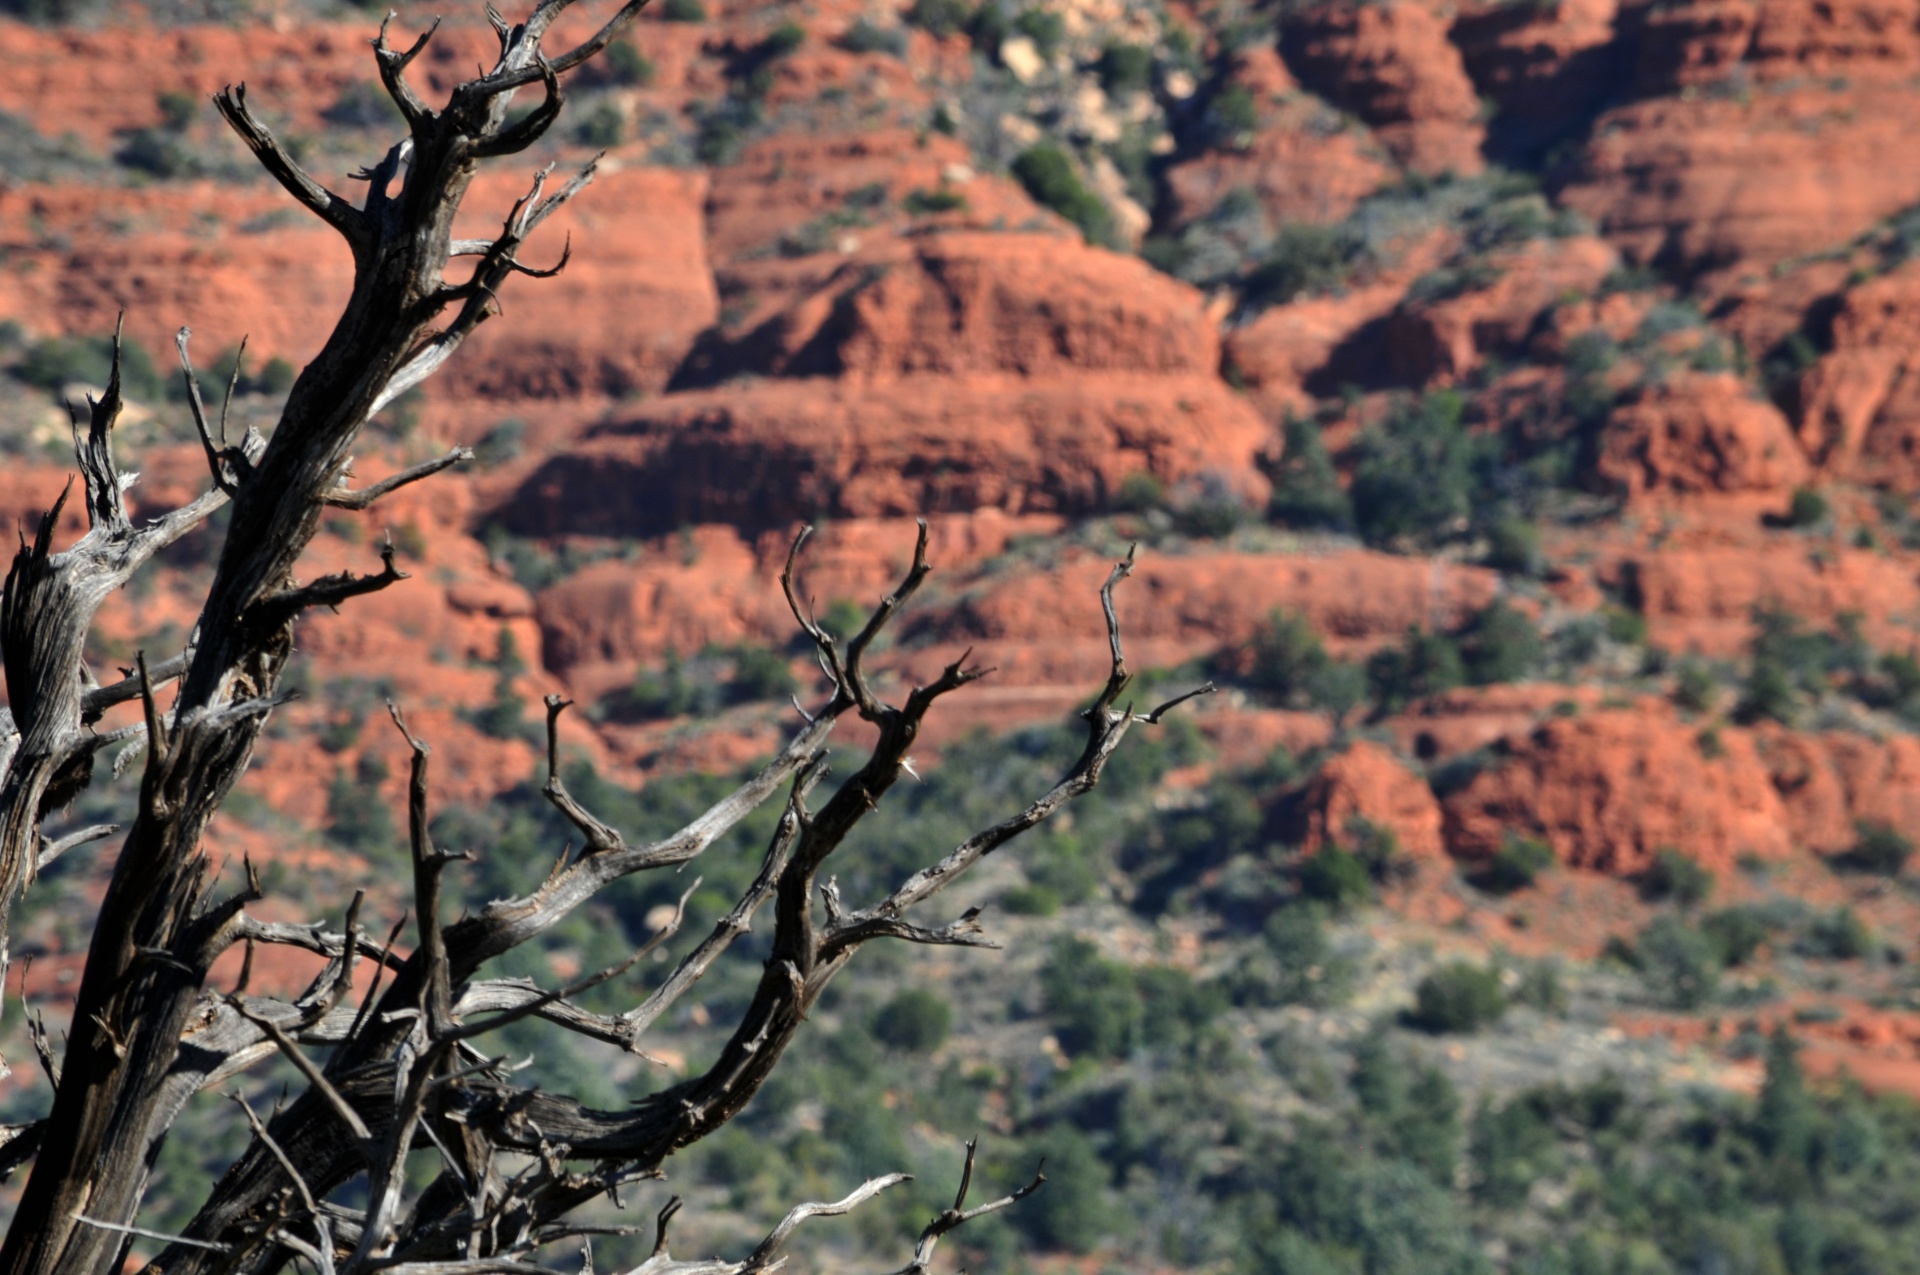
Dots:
(407, 1067)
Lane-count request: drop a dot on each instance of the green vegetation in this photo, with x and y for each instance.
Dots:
(939, 17)
(1879, 848)
(1048, 175)
(1306, 487)
(1678, 877)
(1126, 69)
(867, 36)
(938, 199)
(1416, 475)
(1457, 998)
(916, 1021)
(1047, 29)
(1515, 866)
(623, 63)
(57, 362)
(716, 678)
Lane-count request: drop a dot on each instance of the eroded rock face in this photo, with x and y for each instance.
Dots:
(1702, 598)
(1700, 434)
(1393, 66)
(1447, 338)
(636, 293)
(1860, 404)
(1716, 186)
(963, 304)
(1367, 782)
(242, 263)
(1546, 68)
(1609, 788)
(780, 451)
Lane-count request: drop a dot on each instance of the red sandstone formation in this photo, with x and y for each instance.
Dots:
(1367, 782)
(1705, 433)
(1392, 65)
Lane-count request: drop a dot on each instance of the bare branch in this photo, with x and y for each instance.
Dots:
(393, 73)
(857, 649)
(762, 1257)
(427, 866)
(51, 850)
(306, 1066)
(367, 495)
(151, 1235)
(95, 703)
(959, 1215)
(328, 591)
(231, 102)
(600, 836)
(965, 932)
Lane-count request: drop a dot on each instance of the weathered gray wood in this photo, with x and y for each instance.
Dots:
(406, 1070)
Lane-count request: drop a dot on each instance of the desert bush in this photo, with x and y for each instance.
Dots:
(915, 1021)
(1457, 998)
(1306, 487)
(1048, 175)
(1678, 963)
(1878, 848)
(1676, 876)
(1515, 866)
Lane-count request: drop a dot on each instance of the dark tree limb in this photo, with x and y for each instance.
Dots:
(231, 102)
(426, 469)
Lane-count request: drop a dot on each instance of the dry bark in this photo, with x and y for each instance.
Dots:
(405, 1069)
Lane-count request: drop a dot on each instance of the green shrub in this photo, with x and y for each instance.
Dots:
(177, 110)
(1500, 645)
(622, 63)
(1075, 1213)
(1879, 848)
(1457, 998)
(1735, 933)
(1513, 546)
(1302, 260)
(1335, 877)
(781, 41)
(1030, 900)
(1807, 508)
(939, 17)
(1676, 876)
(866, 36)
(760, 674)
(363, 104)
(1839, 935)
(1295, 963)
(1047, 30)
(1231, 115)
(158, 152)
(684, 10)
(1092, 1001)
(915, 1021)
(1140, 492)
(1516, 865)
(1286, 657)
(1678, 963)
(1424, 664)
(1695, 688)
(1126, 69)
(602, 127)
(1416, 475)
(1769, 693)
(1306, 486)
(57, 362)
(930, 200)
(1627, 627)
(1048, 176)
